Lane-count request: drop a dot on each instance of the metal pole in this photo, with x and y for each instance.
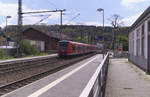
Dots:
(6, 37)
(60, 24)
(61, 17)
(100, 9)
(19, 41)
(103, 36)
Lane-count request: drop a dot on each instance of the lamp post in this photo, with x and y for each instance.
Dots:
(100, 9)
(7, 17)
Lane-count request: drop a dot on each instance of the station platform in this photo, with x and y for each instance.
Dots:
(2, 62)
(126, 80)
(68, 82)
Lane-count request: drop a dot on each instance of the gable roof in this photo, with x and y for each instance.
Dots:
(141, 17)
(48, 32)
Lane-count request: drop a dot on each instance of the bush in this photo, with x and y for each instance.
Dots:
(34, 50)
(83, 40)
(124, 40)
(2, 54)
(29, 49)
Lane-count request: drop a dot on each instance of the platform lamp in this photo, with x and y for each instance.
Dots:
(99, 10)
(7, 17)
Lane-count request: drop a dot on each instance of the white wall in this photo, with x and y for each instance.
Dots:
(129, 47)
(140, 40)
(146, 40)
(135, 42)
(40, 44)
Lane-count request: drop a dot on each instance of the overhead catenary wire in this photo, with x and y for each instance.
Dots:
(73, 18)
(42, 15)
(42, 20)
(51, 3)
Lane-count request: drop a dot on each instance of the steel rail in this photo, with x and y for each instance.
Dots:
(28, 65)
(25, 59)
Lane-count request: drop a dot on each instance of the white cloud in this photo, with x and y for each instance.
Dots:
(90, 23)
(7, 9)
(12, 9)
(55, 16)
(130, 20)
(93, 23)
(131, 3)
(69, 22)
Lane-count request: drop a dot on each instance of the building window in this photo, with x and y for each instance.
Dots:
(38, 45)
(148, 26)
(132, 43)
(142, 37)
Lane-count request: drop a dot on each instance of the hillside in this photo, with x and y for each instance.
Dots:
(81, 33)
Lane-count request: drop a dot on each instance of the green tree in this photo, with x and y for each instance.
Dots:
(83, 40)
(2, 54)
(124, 40)
(29, 49)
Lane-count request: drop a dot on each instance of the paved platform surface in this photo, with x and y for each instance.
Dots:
(126, 80)
(27, 58)
(68, 82)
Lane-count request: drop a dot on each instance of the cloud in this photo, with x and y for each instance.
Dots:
(130, 20)
(131, 3)
(12, 9)
(90, 23)
(93, 23)
(66, 22)
(7, 9)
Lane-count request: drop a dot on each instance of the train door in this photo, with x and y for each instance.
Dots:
(76, 49)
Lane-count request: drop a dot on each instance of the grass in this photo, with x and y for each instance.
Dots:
(139, 71)
(128, 88)
(136, 69)
(6, 58)
(110, 63)
(41, 54)
(11, 57)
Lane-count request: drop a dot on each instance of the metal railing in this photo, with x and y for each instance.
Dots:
(96, 85)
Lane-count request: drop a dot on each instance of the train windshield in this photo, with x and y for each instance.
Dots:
(63, 45)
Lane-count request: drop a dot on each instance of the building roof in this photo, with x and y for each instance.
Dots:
(47, 31)
(138, 21)
(34, 34)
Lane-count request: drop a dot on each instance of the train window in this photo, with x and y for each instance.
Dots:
(63, 45)
(76, 47)
(73, 47)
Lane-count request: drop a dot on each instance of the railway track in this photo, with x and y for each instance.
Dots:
(55, 65)
(26, 65)
(23, 63)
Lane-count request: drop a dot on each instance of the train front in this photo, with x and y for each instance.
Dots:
(62, 47)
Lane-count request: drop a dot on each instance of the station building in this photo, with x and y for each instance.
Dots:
(2, 40)
(44, 40)
(139, 41)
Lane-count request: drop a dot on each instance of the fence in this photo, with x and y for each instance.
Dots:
(96, 85)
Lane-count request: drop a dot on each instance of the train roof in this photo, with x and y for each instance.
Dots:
(76, 42)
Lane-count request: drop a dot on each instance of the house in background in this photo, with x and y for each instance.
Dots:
(44, 40)
(139, 41)
(2, 41)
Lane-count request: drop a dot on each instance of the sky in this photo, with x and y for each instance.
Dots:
(78, 12)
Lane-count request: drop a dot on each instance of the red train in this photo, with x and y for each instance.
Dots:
(65, 48)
